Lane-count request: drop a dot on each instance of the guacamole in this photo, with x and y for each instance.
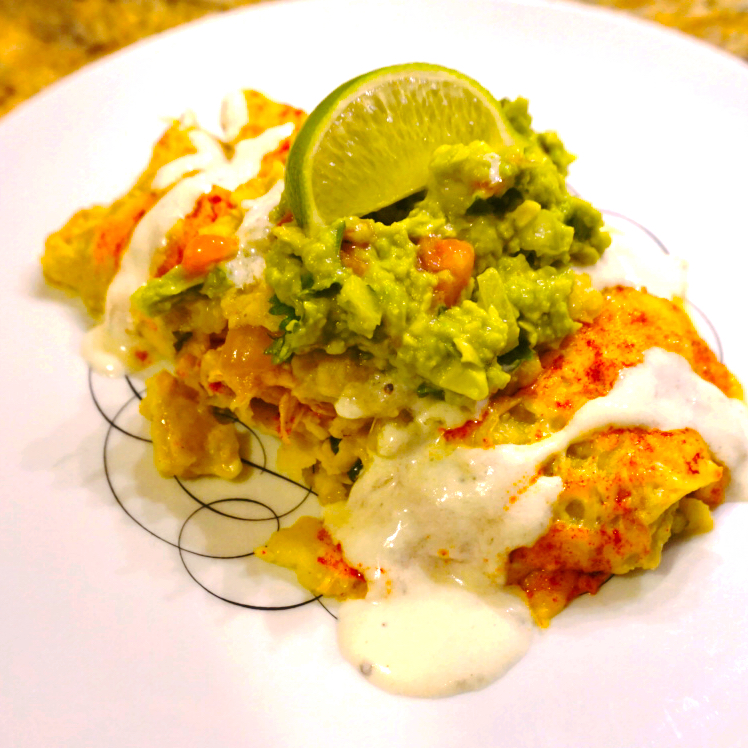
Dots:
(443, 287)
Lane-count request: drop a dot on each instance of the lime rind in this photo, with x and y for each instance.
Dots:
(369, 142)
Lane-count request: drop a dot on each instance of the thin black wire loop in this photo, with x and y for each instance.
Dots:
(215, 594)
(638, 225)
(111, 421)
(212, 506)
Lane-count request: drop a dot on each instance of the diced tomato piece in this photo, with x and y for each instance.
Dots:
(354, 257)
(452, 260)
(206, 250)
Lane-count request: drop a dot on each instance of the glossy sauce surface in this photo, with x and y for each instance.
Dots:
(450, 523)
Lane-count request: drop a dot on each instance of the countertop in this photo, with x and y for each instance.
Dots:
(43, 40)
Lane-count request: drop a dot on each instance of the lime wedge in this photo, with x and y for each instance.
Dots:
(369, 142)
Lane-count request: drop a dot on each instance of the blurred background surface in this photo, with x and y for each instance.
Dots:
(43, 40)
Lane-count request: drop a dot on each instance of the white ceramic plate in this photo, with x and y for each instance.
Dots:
(107, 641)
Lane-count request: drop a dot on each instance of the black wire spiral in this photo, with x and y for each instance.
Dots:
(221, 507)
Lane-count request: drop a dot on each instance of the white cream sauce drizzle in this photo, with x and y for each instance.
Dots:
(256, 224)
(234, 114)
(634, 259)
(248, 265)
(404, 510)
(106, 347)
(208, 154)
(366, 400)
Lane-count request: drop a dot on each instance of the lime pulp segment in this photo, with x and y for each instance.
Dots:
(369, 143)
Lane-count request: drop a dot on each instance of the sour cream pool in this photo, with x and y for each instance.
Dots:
(434, 639)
